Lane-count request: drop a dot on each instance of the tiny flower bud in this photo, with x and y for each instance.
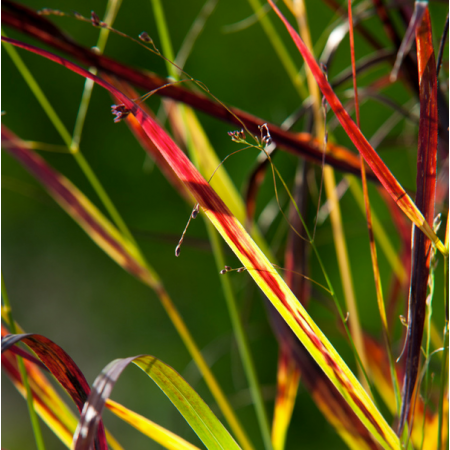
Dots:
(95, 20)
(45, 11)
(145, 37)
(195, 211)
(120, 111)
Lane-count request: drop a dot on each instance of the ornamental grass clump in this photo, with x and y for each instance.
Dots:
(322, 226)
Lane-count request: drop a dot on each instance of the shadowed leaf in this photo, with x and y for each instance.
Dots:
(63, 368)
(425, 201)
(254, 261)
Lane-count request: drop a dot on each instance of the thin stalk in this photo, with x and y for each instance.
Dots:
(23, 373)
(165, 299)
(37, 91)
(379, 232)
(66, 137)
(373, 248)
(164, 35)
(110, 15)
(242, 342)
(335, 213)
(280, 49)
(444, 373)
(428, 341)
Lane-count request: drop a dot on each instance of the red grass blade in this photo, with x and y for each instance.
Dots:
(253, 260)
(63, 368)
(425, 200)
(300, 144)
(370, 155)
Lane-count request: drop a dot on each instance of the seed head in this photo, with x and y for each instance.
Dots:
(120, 111)
(144, 36)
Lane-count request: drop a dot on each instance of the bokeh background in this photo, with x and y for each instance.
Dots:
(63, 286)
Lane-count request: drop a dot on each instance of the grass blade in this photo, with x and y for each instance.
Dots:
(288, 378)
(186, 400)
(63, 368)
(370, 155)
(61, 419)
(123, 252)
(159, 434)
(301, 144)
(256, 263)
(425, 200)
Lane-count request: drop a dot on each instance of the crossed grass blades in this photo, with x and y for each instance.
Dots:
(353, 414)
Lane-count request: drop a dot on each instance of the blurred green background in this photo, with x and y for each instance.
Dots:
(64, 287)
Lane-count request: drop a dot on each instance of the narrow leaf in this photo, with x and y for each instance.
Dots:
(300, 144)
(79, 207)
(63, 368)
(186, 400)
(255, 262)
(61, 420)
(159, 434)
(425, 200)
(385, 176)
(288, 378)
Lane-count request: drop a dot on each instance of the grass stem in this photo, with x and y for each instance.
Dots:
(23, 373)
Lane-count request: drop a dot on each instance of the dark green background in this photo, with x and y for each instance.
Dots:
(63, 286)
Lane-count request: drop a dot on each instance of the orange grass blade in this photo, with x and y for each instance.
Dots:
(425, 200)
(288, 378)
(385, 176)
(255, 262)
(121, 251)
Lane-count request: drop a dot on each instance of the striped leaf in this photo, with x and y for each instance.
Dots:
(256, 263)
